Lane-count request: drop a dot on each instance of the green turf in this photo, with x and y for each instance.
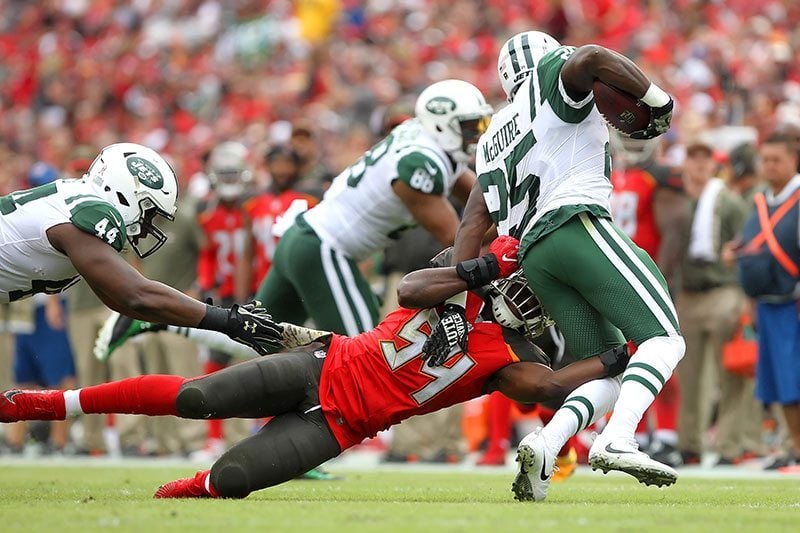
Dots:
(119, 499)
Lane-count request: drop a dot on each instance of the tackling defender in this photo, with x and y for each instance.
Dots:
(52, 235)
(402, 181)
(338, 390)
(543, 176)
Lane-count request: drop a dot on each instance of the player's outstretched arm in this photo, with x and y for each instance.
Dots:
(119, 285)
(429, 287)
(125, 290)
(528, 382)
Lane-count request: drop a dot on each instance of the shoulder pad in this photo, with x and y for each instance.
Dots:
(100, 219)
(420, 172)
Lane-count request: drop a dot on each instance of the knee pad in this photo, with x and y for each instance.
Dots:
(191, 401)
(230, 479)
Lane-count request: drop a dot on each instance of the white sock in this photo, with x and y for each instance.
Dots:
(650, 368)
(72, 402)
(215, 340)
(584, 406)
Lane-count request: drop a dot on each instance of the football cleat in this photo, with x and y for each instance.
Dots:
(623, 454)
(190, 487)
(116, 330)
(565, 466)
(536, 466)
(17, 404)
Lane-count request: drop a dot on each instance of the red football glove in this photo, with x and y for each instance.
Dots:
(505, 249)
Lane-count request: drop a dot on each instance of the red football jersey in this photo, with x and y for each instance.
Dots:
(263, 211)
(224, 231)
(376, 379)
(632, 203)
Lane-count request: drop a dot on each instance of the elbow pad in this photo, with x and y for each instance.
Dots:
(478, 272)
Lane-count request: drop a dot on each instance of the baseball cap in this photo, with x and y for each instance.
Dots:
(743, 160)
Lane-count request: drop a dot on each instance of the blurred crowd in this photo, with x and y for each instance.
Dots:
(319, 81)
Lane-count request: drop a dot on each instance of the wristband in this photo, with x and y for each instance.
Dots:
(655, 96)
(478, 272)
(216, 319)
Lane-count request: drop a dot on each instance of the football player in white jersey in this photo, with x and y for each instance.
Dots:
(543, 177)
(52, 235)
(402, 181)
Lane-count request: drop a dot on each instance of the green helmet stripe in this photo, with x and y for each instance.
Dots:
(512, 52)
(526, 49)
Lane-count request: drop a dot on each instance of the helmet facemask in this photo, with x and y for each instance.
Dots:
(144, 234)
(471, 130)
(515, 306)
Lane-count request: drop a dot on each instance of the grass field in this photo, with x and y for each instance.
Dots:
(53, 498)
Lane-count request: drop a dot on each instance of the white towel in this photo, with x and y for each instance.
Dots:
(703, 245)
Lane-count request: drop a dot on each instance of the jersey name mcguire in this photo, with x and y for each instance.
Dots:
(501, 139)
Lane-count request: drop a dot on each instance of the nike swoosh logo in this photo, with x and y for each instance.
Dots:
(509, 259)
(431, 170)
(611, 449)
(9, 395)
(543, 475)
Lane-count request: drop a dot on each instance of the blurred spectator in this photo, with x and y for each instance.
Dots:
(743, 177)
(220, 219)
(708, 308)
(315, 178)
(768, 270)
(263, 213)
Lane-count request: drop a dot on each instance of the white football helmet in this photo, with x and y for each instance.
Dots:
(228, 170)
(515, 306)
(140, 184)
(519, 57)
(456, 114)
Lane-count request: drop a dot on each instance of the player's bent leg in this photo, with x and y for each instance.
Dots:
(537, 452)
(277, 291)
(258, 388)
(338, 299)
(287, 446)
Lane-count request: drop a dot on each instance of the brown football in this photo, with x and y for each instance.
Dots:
(621, 110)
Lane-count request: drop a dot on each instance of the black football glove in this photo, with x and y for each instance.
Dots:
(248, 324)
(450, 332)
(660, 119)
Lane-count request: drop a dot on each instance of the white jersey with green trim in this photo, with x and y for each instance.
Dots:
(543, 151)
(360, 214)
(29, 264)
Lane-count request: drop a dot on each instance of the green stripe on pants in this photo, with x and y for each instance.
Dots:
(577, 276)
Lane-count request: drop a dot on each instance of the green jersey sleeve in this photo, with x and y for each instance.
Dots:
(100, 219)
(420, 172)
(552, 89)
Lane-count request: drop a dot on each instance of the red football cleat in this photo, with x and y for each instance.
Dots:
(17, 404)
(190, 487)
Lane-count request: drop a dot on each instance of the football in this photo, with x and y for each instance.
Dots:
(621, 110)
